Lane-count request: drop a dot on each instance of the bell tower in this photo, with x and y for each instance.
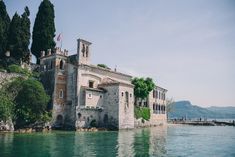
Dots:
(83, 51)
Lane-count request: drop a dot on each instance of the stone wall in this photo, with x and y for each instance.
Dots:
(110, 114)
(126, 107)
(4, 77)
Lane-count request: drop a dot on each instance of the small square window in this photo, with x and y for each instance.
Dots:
(122, 94)
(91, 84)
(130, 95)
(101, 96)
(89, 95)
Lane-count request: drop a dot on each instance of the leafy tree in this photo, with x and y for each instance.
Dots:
(142, 87)
(31, 103)
(142, 112)
(4, 26)
(44, 29)
(6, 105)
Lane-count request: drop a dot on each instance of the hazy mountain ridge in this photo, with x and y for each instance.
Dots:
(186, 109)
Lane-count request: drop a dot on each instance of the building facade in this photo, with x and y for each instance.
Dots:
(85, 95)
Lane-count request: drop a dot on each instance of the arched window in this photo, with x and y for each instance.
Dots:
(87, 50)
(61, 64)
(153, 107)
(59, 120)
(157, 108)
(106, 119)
(61, 94)
(79, 115)
(83, 50)
(127, 98)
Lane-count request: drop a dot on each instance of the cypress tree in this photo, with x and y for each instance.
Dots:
(14, 39)
(4, 26)
(25, 34)
(44, 29)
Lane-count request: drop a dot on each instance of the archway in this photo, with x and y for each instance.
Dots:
(59, 120)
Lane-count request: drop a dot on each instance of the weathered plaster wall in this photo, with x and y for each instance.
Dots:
(126, 107)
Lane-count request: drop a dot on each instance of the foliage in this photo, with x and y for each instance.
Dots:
(142, 87)
(142, 112)
(17, 69)
(14, 38)
(31, 102)
(103, 66)
(19, 37)
(44, 29)
(6, 105)
(4, 26)
(93, 123)
(25, 35)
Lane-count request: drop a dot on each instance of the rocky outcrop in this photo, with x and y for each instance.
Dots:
(6, 126)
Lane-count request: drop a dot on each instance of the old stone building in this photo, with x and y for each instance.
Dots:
(85, 95)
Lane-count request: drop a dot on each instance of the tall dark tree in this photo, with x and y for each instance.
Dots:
(44, 29)
(25, 34)
(4, 25)
(14, 39)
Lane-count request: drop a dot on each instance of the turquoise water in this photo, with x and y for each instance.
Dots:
(172, 141)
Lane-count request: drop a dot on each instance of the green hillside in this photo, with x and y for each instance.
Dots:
(186, 109)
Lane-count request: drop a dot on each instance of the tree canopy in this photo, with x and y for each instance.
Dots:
(4, 26)
(31, 102)
(142, 87)
(24, 101)
(19, 37)
(25, 34)
(44, 29)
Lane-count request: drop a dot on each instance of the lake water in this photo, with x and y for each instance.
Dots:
(172, 141)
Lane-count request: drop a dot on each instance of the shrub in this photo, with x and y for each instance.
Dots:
(6, 105)
(142, 112)
(103, 66)
(17, 69)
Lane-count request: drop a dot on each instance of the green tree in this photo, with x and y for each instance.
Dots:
(31, 102)
(25, 34)
(14, 39)
(142, 87)
(4, 26)
(44, 29)
(6, 105)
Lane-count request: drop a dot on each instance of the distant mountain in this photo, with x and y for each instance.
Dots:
(186, 109)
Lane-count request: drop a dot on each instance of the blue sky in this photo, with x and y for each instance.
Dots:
(186, 46)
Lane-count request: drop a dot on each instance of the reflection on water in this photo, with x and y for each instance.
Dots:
(157, 141)
(142, 142)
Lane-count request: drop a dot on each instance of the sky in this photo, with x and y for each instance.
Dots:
(186, 46)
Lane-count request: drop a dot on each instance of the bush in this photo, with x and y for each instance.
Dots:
(17, 69)
(93, 123)
(6, 106)
(142, 112)
(103, 66)
(30, 102)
